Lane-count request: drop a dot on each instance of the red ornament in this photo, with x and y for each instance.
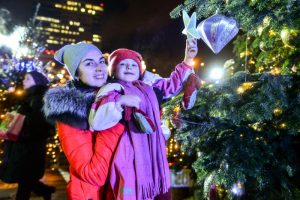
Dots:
(213, 192)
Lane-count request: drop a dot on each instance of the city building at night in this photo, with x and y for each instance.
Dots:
(63, 22)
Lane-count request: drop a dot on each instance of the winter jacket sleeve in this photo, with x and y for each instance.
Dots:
(173, 85)
(89, 162)
(106, 111)
(35, 126)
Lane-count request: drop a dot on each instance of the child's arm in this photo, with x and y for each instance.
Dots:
(107, 110)
(173, 85)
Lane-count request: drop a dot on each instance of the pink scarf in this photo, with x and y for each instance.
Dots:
(140, 168)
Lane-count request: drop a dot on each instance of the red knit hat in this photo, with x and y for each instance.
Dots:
(120, 54)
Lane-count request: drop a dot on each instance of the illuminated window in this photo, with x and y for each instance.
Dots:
(86, 41)
(52, 41)
(74, 23)
(72, 3)
(82, 9)
(54, 25)
(48, 19)
(98, 8)
(52, 30)
(58, 6)
(96, 40)
(81, 29)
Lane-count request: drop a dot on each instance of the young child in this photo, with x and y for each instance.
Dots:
(140, 168)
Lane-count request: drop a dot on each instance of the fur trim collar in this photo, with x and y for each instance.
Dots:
(68, 105)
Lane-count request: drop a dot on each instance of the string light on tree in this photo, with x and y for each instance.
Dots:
(238, 189)
(53, 150)
(277, 111)
(245, 86)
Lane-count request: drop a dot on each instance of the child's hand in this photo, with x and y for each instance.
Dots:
(191, 50)
(130, 101)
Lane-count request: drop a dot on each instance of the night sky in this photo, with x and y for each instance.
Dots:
(144, 26)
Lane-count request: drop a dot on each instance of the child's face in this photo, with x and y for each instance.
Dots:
(127, 70)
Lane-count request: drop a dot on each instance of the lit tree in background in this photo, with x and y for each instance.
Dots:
(245, 130)
(21, 51)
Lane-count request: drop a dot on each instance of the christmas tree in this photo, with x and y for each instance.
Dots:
(26, 55)
(245, 129)
(269, 31)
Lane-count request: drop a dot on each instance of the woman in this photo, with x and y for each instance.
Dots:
(24, 160)
(89, 154)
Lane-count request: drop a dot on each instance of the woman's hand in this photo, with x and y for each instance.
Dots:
(191, 50)
(130, 101)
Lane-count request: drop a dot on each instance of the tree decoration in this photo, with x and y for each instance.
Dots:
(190, 25)
(245, 86)
(238, 189)
(277, 112)
(217, 31)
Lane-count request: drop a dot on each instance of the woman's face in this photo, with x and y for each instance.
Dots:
(92, 69)
(127, 70)
(28, 81)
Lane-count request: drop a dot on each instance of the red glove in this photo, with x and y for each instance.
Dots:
(190, 87)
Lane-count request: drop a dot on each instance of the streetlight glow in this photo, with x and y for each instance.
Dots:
(216, 73)
(12, 40)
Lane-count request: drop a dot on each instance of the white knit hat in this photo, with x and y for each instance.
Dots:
(70, 55)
